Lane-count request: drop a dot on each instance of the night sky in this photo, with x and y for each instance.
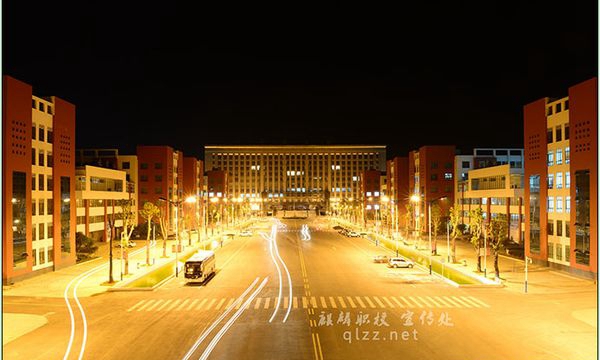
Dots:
(404, 77)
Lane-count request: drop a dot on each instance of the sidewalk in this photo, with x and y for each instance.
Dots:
(53, 284)
(541, 279)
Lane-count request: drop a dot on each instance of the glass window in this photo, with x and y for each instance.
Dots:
(550, 158)
(41, 182)
(559, 180)
(125, 165)
(567, 155)
(41, 158)
(567, 229)
(559, 227)
(559, 158)
(33, 131)
(41, 136)
(550, 203)
(433, 176)
(158, 165)
(568, 179)
(448, 176)
(49, 183)
(32, 156)
(42, 204)
(434, 165)
(466, 164)
(550, 181)
(50, 136)
(33, 177)
(549, 135)
(33, 207)
(566, 131)
(568, 204)
(558, 132)
(50, 208)
(550, 250)
(143, 165)
(157, 177)
(158, 190)
(567, 253)
(559, 204)
(50, 160)
(144, 178)
(42, 230)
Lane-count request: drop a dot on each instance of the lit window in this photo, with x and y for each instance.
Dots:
(368, 207)
(448, 176)
(369, 193)
(376, 207)
(376, 193)
(559, 180)
(550, 158)
(355, 178)
(559, 158)
(550, 203)
(567, 180)
(559, 204)
(567, 154)
(335, 167)
(219, 194)
(568, 205)
(550, 181)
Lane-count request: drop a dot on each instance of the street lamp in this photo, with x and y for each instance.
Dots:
(414, 198)
(192, 200)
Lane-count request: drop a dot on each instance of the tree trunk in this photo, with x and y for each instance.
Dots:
(126, 256)
(110, 261)
(478, 261)
(453, 250)
(164, 245)
(434, 245)
(496, 267)
(148, 244)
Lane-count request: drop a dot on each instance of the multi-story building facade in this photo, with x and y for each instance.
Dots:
(431, 181)
(111, 159)
(491, 179)
(98, 191)
(193, 181)
(561, 177)
(398, 191)
(160, 174)
(38, 173)
(295, 176)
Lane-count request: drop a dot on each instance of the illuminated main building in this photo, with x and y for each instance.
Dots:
(295, 176)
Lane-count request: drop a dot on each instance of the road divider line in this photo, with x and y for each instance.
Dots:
(319, 347)
(267, 300)
(257, 303)
(314, 341)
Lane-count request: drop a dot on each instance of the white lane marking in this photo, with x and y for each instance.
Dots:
(217, 321)
(230, 322)
(139, 303)
(288, 276)
(479, 301)
(164, 305)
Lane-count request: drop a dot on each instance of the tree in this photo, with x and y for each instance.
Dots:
(84, 246)
(457, 230)
(127, 215)
(162, 221)
(149, 212)
(111, 235)
(476, 228)
(436, 223)
(496, 232)
(408, 217)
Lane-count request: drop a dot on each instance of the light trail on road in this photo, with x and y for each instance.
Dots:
(288, 276)
(218, 320)
(269, 239)
(230, 322)
(79, 278)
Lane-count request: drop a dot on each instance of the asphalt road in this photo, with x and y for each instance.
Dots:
(342, 306)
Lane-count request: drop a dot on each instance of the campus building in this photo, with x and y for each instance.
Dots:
(561, 177)
(430, 181)
(98, 191)
(193, 185)
(160, 174)
(38, 173)
(398, 192)
(295, 176)
(491, 179)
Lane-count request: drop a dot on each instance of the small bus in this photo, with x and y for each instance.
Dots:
(200, 266)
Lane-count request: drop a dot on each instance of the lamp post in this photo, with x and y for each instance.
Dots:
(414, 198)
(192, 200)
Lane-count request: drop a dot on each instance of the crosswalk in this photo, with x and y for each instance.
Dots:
(315, 302)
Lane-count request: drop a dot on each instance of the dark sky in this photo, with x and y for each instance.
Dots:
(403, 76)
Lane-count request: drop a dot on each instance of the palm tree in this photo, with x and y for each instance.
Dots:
(149, 212)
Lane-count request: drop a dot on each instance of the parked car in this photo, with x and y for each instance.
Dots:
(381, 259)
(246, 233)
(337, 227)
(353, 234)
(397, 262)
(129, 244)
(514, 249)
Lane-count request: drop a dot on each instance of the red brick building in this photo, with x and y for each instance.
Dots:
(193, 182)
(160, 175)
(397, 189)
(431, 178)
(561, 177)
(38, 172)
